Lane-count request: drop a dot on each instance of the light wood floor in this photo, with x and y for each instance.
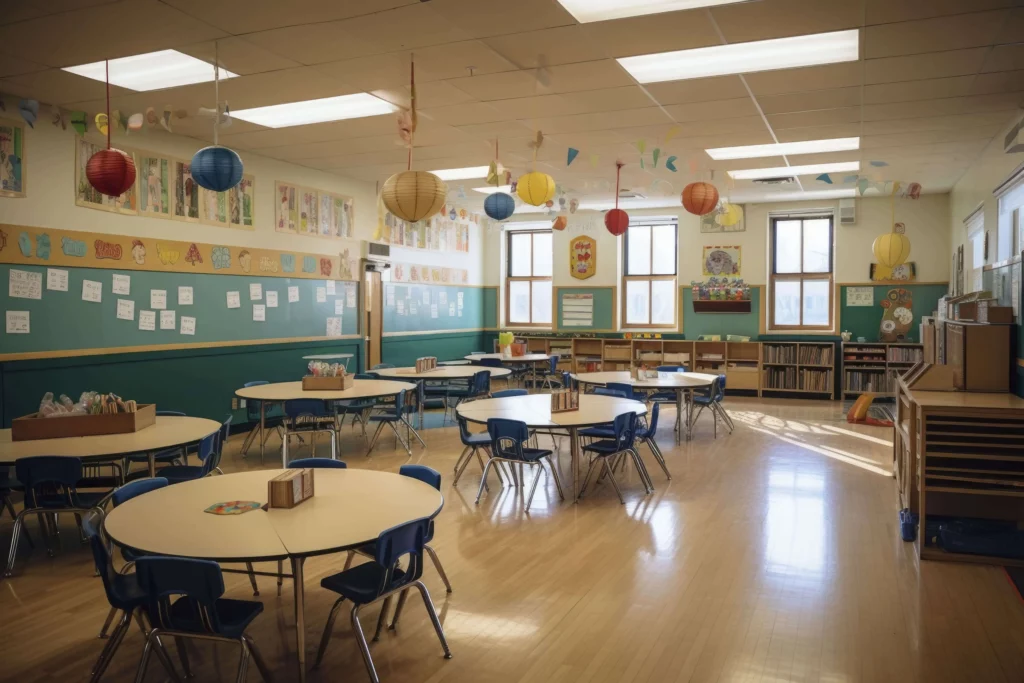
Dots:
(773, 555)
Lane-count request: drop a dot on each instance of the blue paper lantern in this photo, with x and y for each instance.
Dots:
(499, 206)
(216, 168)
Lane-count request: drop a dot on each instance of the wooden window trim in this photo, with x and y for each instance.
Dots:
(509, 279)
(649, 278)
(802, 276)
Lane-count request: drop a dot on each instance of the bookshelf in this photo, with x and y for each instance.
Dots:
(798, 368)
(876, 366)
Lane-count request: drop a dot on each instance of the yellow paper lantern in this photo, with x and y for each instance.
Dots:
(414, 195)
(535, 188)
(891, 249)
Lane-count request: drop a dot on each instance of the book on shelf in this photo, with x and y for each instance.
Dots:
(780, 378)
(815, 355)
(779, 354)
(816, 380)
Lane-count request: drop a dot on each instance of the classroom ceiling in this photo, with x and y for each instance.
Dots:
(936, 81)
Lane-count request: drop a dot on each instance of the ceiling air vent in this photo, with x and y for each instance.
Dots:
(781, 180)
(626, 193)
(847, 212)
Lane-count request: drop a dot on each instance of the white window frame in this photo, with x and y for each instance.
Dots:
(650, 277)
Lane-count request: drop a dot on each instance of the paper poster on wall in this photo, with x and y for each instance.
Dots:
(271, 298)
(121, 284)
(582, 257)
(321, 295)
(259, 313)
(897, 315)
(317, 213)
(724, 218)
(185, 296)
(188, 325)
(12, 159)
(125, 309)
(147, 320)
(448, 230)
(167, 320)
(234, 300)
(92, 291)
(451, 310)
(339, 306)
(860, 296)
(406, 272)
(332, 288)
(577, 310)
(56, 280)
(433, 310)
(400, 307)
(293, 294)
(17, 322)
(158, 299)
(25, 284)
(154, 181)
(720, 261)
(255, 291)
(334, 327)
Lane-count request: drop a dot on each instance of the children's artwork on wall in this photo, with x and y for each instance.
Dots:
(186, 195)
(306, 211)
(906, 272)
(897, 316)
(582, 257)
(154, 183)
(448, 230)
(725, 218)
(722, 261)
(410, 272)
(88, 196)
(12, 159)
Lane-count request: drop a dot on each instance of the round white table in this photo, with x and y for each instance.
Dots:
(453, 362)
(530, 358)
(166, 432)
(349, 509)
(440, 374)
(330, 356)
(682, 383)
(535, 411)
(279, 392)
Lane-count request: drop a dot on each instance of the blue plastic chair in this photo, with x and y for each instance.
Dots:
(617, 390)
(178, 454)
(622, 387)
(666, 396)
(123, 494)
(210, 449)
(647, 432)
(317, 463)
(183, 601)
(358, 408)
(7, 487)
(712, 398)
(379, 580)
(606, 391)
(309, 416)
(393, 417)
(272, 418)
(478, 387)
(50, 484)
(508, 444)
(509, 393)
(473, 444)
(671, 368)
(552, 379)
(608, 451)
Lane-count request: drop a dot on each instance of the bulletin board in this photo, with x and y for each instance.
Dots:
(432, 308)
(864, 321)
(603, 313)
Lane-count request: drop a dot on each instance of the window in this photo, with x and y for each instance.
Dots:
(801, 281)
(649, 276)
(1010, 196)
(528, 284)
(975, 258)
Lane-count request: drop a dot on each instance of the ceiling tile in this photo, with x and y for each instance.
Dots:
(21, 11)
(1003, 81)
(928, 137)
(605, 73)
(951, 122)
(587, 122)
(434, 94)
(746, 21)
(464, 114)
(927, 89)
(13, 66)
(931, 65)
(60, 87)
(652, 33)
(808, 101)
(698, 90)
(934, 35)
(804, 79)
(800, 134)
(238, 56)
(1004, 58)
(335, 130)
(821, 117)
(497, 129)
(709, 111)
(548, 47)
(246, 16)
(949, 106)
(482, 18)
(891, 11)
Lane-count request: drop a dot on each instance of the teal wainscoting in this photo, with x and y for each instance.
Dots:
(199, 382)
(745, 324)
(403, 350)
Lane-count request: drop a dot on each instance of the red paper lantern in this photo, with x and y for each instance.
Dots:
(111, 172)
(617, 221)
(700, 198)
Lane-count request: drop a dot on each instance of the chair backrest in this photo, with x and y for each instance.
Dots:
(605, 391)
(48, 474)
(718, 391)
(652, 425)
(136, 488)
(317, 463)
(396, 543)
(366, 375)
(305, 407)
(100, 553)
(553, 365)
(252, 407)
(169, 413)
(567, 381)
(199, 581)
(400, 402)
(382, 366)
(425, 474)
(464, 432)
(491, 363)
(624, 427)
(625, 389)
(482, 383)
(421, 397)
(671, 368)
(507, 437)
(506, 393)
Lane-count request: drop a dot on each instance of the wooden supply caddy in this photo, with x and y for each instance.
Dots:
(336, 383)
(35, 426)
(290, 488)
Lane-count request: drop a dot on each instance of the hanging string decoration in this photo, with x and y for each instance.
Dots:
(110, 171)
(498, 205)
(412, 195)
(617, 220)
(216, 168)
(700, 198)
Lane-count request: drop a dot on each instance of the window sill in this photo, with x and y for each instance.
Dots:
(800, 332)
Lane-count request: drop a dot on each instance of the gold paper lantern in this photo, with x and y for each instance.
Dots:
(891, 249)
(535, 188)
(414, 195)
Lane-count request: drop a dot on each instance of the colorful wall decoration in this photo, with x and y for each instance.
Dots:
(304, 211)
(725, 218)
(898, 307)
(582, 257)
(164, 189)
(410, 272)
(12, 159)
(722, 261)
(906, 272)
(447, 231)
(47, 247)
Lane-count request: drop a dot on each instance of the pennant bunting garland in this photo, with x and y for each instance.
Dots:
(101, 123)
(654, 157)
(825, 178)
(60, 120)
(670, 164)
(135, 122)
(878, 164)
(29, 111)
(672, 132)
(572, 156)
(151, 117)
(850, 179)
(165, 119)
(78, 122)
(641, 145)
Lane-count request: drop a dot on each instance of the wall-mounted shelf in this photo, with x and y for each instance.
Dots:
(700, 306)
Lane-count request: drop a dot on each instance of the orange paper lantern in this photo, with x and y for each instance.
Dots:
(700, 198)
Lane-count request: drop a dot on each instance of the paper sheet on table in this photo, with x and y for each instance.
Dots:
(57, 279)
(24, 284)
(271, 298)
(293, 294)
(188, 325)
(121, 284)
(147, 320)
(255, 291)
(92, 291)
(259, 313)
(185, 296)
(234, 300)
(167, 320)
(125, 309)
(158, 299)
(17, 322)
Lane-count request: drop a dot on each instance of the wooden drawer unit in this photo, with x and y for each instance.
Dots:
(979, 356)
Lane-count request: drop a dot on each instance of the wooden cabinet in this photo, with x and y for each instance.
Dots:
(979, 356)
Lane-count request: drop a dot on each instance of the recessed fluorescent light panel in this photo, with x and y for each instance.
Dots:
(461, 173)
(326, 109)
(780, 171)
(784, 148)
(586, 11)
(491, 189)
(151, 71)
(738, 58)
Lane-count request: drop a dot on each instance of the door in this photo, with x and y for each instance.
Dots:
(374, 318)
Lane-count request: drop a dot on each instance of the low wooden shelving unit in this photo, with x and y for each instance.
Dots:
(876, 366)
(798, 368)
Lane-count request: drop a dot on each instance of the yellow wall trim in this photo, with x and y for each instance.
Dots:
(422, 332)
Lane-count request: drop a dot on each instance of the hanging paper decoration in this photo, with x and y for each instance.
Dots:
(641, 145)
(670, 164)
(29, 110)
(616, 221)
(896, 186)
(499, 206)
(535, 188)
(913, 191)
(215, 168)
(572, 156)
(120, 121)
(879, 164)
(151, 117)
(862, 186)
(849, 179)
(135, 122)
(573, 205)
(559, 223)
(59, 118)
(110, 171)
(672, 132)
(183, 113)
(893, 248)
(78, 122)
(101, 123)
(700, 198)
(594, 159)
(825, 178)
(654, 157)
(165, 118)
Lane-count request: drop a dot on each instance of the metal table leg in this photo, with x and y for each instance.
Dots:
(151, 458)
(689, 414)
(679, 412)
(284, 445)
(300, 615)
(574, 451)
(263, 412)
(424, 382)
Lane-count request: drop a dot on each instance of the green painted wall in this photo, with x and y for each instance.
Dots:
(490, 300)
(415, 297)
(746, 324)
(604, 308)
(403, 351)
(864, 321)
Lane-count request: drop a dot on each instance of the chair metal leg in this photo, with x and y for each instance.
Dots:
(483, 480)
(373, 441)
(586, 479)
(106, 624)
(179, 645)
(19, 522)
(364, 648)
(398, 609)
(257, 657)
(398, 437)
(611, 476)
(381, 618)
(243, 663)
(328, 627)
(414, 432)
(558, 481)
(641, 469)
(659, 456)
(252, 578)
(437, 565)
(140, 674)
(280, 576)
(533, 487)
(433, 618)
(111, 647)
(158, 648)
(462, 456)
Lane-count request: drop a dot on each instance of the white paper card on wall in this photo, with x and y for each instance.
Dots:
(389, 295)
(332, 288)
(334, 327)
(57, 279)
(442, 297)
(433, 310)
(188, 325)
(17, 322)
(147, 320)
(578, 310)
(92, 291)
(339, 306)
(255, 291)
(459, 297)
(460, 311)
(168, 320)
(24, 284)
(400, 307)
(451, 310)
(350, 297)
(125, 309)
(293, 294)
(426, 296)
(272, 299)
(121, 284)
(412, 307)
(234, 300)
(158, 299)
(259, 313)
(185, 296)
(860, 296)
(321, 295)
